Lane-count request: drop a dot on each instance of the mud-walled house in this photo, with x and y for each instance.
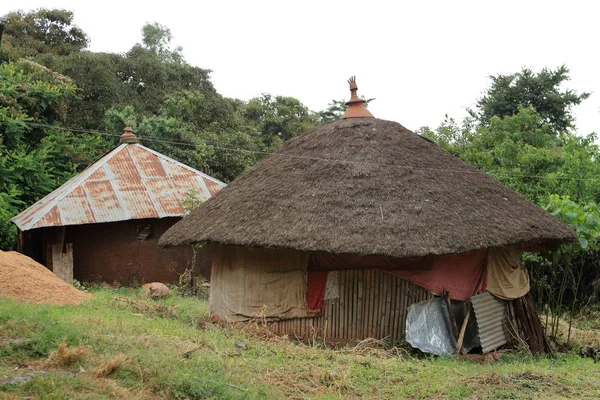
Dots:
(341, 230)
(104, 223)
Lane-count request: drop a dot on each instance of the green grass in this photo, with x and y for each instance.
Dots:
(151, 338)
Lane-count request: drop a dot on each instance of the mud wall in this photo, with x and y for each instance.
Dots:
(126, 251)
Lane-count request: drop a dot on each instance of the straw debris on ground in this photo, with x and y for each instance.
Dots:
(64, 356)
(111, 366)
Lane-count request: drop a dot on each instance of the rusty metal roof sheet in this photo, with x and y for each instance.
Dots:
(490, 316)
(130, 182)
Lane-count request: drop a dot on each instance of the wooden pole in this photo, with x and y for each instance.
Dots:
(20, 241)
(463, 328)
(446, 296)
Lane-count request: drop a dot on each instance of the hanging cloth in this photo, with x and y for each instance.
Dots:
(507, 278)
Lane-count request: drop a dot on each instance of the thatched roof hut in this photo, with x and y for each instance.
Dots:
(367, 186)
(356, 197)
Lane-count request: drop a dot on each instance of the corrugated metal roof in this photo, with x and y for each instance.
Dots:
(130, 182)
(490, 316)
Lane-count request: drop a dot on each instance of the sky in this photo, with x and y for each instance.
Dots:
(420, 60)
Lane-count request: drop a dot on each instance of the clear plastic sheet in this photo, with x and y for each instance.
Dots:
(428, 328)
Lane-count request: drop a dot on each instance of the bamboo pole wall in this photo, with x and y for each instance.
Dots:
(372, 303)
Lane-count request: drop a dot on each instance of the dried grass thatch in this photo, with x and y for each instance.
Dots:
(369, 187)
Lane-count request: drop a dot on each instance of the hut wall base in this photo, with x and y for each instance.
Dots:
(371, 304)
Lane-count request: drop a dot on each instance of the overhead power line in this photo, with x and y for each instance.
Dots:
(310, 158)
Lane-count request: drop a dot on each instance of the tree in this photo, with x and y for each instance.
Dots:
(524, 153)
(521, 133)
(201, 109)
(42, 31)
(206, 135)
(97, 77)
(34, 159)
(278, 118)
(565, 279)
(138, 78)
(333, 112)
(542, 91)
(30, 92)
(157, 38)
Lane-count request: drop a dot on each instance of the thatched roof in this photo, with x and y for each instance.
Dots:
(370, 187)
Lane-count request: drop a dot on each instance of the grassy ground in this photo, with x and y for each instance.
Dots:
(119, 345)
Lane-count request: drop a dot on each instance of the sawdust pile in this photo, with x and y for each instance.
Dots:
(23, 279)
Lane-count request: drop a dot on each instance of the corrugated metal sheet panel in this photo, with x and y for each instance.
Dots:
(213, 187)
(371, 303)
(490, 313)
(80, 210)
(130, 182)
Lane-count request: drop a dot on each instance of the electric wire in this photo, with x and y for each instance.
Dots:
(309, 158)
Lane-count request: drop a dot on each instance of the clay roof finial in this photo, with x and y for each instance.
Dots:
(356, 105)
(128, 135)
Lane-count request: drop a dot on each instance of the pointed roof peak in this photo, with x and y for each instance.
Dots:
(128, 136)
(356, 105)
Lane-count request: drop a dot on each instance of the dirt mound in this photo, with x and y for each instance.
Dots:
(23, 279)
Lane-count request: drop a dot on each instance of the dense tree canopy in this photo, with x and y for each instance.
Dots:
(171, 101)
(543, 91)
(35, 160)
(157, 38)
(523, 152)
(138, 78)
(42, 31)
(277, 118)
(522, 133)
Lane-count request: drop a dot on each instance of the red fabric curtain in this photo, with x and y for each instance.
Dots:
(317, 281)
(457, 273)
